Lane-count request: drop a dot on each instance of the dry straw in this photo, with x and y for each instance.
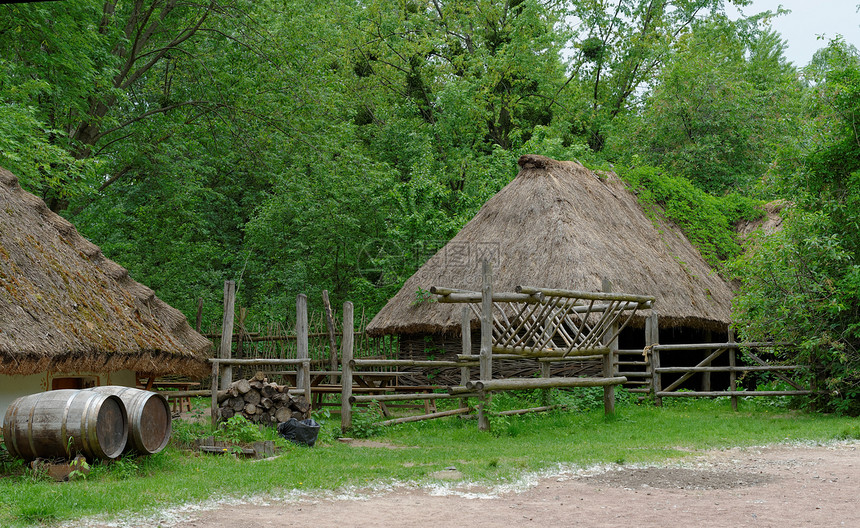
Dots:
(65, 307)
(560, 225)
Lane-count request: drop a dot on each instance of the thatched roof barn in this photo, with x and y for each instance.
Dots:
(560, 225)
(64, 307)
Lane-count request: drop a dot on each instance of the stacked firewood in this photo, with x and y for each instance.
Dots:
(262, 402)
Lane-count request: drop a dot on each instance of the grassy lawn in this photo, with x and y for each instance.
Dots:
(518, 444)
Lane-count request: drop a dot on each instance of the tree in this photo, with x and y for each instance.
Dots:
(802, 285)
(721, 108)
(622, 45)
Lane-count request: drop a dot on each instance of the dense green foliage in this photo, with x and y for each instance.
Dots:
(297, 146)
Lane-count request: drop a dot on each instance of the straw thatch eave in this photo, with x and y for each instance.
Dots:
(559, 225)
(64, 307)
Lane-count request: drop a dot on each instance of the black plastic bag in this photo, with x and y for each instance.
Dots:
(302, 432)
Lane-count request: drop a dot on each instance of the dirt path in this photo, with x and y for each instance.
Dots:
(763, 487)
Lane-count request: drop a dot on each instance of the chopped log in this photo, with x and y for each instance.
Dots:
(256, 385)
(298, 416)
(237, 403)
(259, 376)
(280, 398)
(250, 409)
(252, 397)
(222, 396)
(268, 391)
(243, 386)
(227, 412)
(283, 414)
(267, 403)
(301, 405)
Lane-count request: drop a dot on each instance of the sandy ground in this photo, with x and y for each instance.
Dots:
(784, 486)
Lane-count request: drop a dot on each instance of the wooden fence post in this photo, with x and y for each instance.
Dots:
(216, 411)
(611, 341)
(706, 376)
(303, 377)
(466, 340)
(733, 376)
(346, 375)
(226, 349)
(332, 340)
(486, 361)
(652, 339)
(545, 372)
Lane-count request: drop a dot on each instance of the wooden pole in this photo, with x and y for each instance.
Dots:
(540, 383)
(530, 410)
(216, 411)
(609, 359)
(486, 366)
(346, 375)
(706, 376)
(466, 341)
(303, 377)
(545, 372)
(733, 377)
(653, 339)
(421, 417)
(226, 349)
(332, 329)
(367, 398)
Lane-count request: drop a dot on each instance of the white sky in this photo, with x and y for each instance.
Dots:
(809, 19)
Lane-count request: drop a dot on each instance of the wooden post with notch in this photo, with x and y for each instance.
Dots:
(486, 359)
(303, 376)
(466, 341)
(226, 348)
(346, 353)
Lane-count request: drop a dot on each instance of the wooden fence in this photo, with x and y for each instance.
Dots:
(361, 369)
(736, 351)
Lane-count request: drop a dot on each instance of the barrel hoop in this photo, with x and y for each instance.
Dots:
(13, 429)
(90, 444)
(30, 430)
(64, 431)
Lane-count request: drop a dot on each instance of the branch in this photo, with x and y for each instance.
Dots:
(145, 115)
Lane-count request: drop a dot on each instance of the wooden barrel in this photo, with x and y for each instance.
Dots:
(63, 423)
(149, 418)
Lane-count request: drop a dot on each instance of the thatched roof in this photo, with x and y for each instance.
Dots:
(560, 225)
(64, 307)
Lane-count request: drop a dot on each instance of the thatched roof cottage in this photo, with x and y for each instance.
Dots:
(560, 225)
(69, 317)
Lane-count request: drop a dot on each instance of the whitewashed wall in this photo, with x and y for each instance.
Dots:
(12, 387)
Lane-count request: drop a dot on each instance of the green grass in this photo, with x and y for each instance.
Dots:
(637, 433)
